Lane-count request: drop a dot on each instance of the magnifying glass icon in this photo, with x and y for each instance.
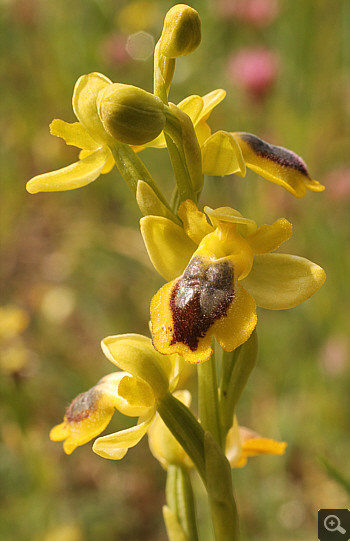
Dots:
(332, 524)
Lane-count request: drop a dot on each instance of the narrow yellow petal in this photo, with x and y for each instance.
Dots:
(115, 446)
(194, 221)
(211, 100)
(269, 237)
(276, 164)
(168, 246)
(192, 106)
(281, 281)
(263, 446)
(73, 134)
(110, 163)
(73, 176)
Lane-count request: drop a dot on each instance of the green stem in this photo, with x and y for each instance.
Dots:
(208, 400)
(220, 492)
(186, 429)
(179, 497)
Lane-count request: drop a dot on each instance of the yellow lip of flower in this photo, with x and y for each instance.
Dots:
(223, 271)
(242, 443)
(276, 164)
(133, 393)
(88, 134)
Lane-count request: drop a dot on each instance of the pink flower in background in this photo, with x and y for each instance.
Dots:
(254, 70)
(338, 184)
(113, 50)
(258, 13)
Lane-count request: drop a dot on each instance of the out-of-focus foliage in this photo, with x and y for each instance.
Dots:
(74, 270)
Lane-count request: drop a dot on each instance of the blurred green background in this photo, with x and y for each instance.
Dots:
(74, 270)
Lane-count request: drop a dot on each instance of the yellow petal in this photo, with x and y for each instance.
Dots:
(115, 446)
(280, 281)
(110, 163)
(263, 446)
(192, 106)
(233, 446)
(211, 100)
(86, 417)
(195, 223)
(245, 226)
(135, 354)
(59, 432)
(269, 237)
(129, 395)
(221, 155)
(85, 108)
(276, 164)
(73, 134)
(163, 330)
(167, 245)
(73, 176)
(239, 323)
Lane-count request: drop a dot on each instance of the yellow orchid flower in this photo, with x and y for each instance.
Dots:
(88, 134)
(146, 376)
(241, 442)
(225, 153)
(218, 273)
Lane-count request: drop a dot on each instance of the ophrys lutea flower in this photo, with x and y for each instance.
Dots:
(146, 376)
(218, 273)
(108, 113)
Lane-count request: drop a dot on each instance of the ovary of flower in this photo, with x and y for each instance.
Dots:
(146, 376)
(88, 134)
(216, 280)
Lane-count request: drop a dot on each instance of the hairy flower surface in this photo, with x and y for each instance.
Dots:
(218, 274)
(146, 376)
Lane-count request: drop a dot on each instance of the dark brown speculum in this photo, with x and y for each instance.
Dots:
(82, 406)
(200, 297)
(276, 154)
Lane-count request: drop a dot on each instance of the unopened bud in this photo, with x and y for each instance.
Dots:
(181, 31)
(129, 114)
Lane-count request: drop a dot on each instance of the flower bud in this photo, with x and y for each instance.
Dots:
(181, 31)
(131, 115)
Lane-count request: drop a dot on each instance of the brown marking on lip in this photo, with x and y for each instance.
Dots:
(280, 155)
(82, 406)
(200, 297)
